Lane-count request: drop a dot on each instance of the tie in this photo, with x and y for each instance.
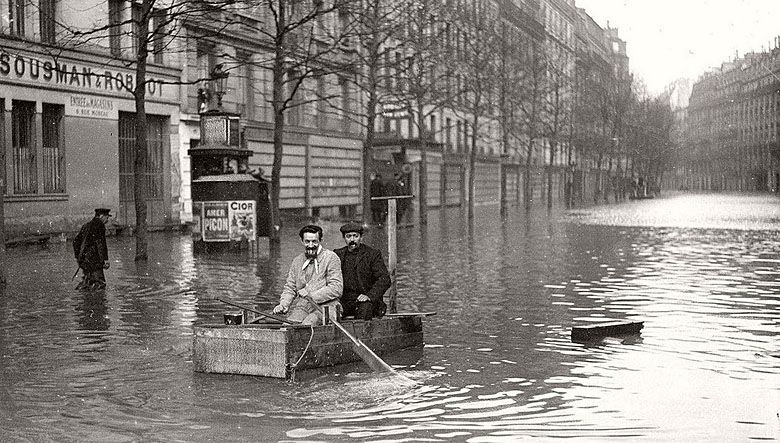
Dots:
(310, 269)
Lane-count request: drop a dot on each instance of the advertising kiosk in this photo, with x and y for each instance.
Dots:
(230, 206)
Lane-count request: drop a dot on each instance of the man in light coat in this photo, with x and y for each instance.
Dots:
(314, 275)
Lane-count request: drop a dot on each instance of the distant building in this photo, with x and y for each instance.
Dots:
(733, 123)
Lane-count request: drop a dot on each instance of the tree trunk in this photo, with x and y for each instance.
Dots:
(443, 178)
(278, 139)
(553, 147)
(367, 152)
(527, 181)
(597, 191)
(140, 164)
(368, 145)
(472, 168)
(423, 164)
(277, 102)
(502, 168)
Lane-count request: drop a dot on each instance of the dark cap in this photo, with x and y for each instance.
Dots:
(351, 227)
(311, 229)
(102, 211)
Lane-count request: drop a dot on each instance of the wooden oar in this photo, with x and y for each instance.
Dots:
(363, 351)
(247, 308)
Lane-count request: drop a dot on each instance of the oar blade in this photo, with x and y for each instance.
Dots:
(371, 359)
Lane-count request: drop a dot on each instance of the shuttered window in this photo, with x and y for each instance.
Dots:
(23, 141)
(53, 152)
(154, 156)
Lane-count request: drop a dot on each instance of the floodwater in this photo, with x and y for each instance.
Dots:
(702, 272)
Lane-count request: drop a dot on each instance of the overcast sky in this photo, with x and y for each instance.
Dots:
(669, 39)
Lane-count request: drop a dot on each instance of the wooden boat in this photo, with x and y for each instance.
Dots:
(609, 328)
(274, 350)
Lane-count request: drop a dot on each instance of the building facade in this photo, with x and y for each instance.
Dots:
(732, 126)
(67, 124)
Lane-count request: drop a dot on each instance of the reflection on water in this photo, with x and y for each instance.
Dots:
(498, 363)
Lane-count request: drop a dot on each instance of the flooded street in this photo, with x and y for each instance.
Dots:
(702, 272)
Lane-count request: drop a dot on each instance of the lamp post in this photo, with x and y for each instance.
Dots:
(219, 83)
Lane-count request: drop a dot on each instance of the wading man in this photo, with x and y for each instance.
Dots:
(365, 275)
(314, 275)
(91, 252)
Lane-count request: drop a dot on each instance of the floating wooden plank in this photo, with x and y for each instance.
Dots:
(411, 314)
(272, 351)
(611, 328)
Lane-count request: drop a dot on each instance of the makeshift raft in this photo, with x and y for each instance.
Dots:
(273, 350)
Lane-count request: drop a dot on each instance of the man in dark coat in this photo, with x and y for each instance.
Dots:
(378, 207)
(365, 275)
(91, 252)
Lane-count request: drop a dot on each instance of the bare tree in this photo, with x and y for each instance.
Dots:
(153, 26)
(479, 67)
(374, 34)
(557, 108)
(613, 100)
(654, 123)
(530, 105)
(421, 78)
(302, 48)
(512, 52)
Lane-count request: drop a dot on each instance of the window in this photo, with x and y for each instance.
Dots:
(115, 31)
(48, 8)
(137, 11)
(53, 152)
(25, 149)
(448, 133)
(321, 102)
(346, 98)
(458, 133)
(293, 113)
(247, 87)
(205, 62)
(16, 17)
(388, 72)
(155, 154)
(25, 173)
(159, 31)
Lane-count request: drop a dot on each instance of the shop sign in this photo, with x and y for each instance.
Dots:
(395, 110)
(91, 106)
(233, 220)
(385, 153)
(66, 74)
(243, 220)
(216, 225)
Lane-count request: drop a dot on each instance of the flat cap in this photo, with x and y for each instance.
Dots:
(102, 211)
(351, 227)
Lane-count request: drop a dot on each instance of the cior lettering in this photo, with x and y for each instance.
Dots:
(241, 206)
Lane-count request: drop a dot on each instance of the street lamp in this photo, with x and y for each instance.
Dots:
(219, 83)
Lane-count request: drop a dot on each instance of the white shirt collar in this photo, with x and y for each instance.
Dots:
(316, 262)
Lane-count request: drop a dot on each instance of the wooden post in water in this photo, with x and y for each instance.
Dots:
(392, 260)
